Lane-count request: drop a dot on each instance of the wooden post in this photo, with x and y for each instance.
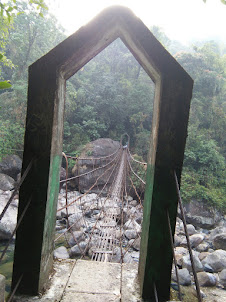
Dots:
(171, 113)
(43, 144)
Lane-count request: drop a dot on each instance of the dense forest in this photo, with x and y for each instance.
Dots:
(112, 94)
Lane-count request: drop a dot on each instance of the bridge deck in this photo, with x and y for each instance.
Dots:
(89, 281)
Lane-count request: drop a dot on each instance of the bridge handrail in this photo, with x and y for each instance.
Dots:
(137, 161)
(93, 158)
(135, 172)
(80, 175)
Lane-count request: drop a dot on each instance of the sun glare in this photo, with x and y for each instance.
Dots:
(180, 19)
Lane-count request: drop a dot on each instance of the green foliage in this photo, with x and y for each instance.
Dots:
(204, 173)
(20, 45)
(210, 192)
(112, 95)
(109, 96)
(11, 137)
(8, 13)
(222, 1)
(5, 85)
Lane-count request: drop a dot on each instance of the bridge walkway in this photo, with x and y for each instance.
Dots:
(88, 281)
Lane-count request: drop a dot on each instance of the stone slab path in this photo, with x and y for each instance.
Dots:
(89, 281)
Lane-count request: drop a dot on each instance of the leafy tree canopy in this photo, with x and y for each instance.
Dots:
(8, 11)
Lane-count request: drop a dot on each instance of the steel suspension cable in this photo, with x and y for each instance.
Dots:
(138, 196)
(16, 188)
(84, 193)
(174, 257)
(137, 161)
(84, 174)
(67, 215)
(114, 166)
(15, 288)
(155, 293)
(135, 173)
(16, 228)
(91, 158)
(188, 241)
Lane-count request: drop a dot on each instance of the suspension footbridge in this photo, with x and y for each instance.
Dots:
(108, 227)
(107, 235)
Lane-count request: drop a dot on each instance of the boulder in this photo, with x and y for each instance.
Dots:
(222, 277)
(59, 226)
(2, 287)
(197, 262)
(177, 240)
(99, 148)
(195, 240)
(8, 222)
(216, 231)
(179, 260)
(135, 244)
(130, 234)
(129, 198)
(181, 250)
(78, 249)
(207, 268)
(61, 253)
(203, 247)
(206, 279)
(191, 229)
(199, 215)
(217, 260)
(131, 224)
(76, 221)
(5, 233)
(184, 276)
(219, 241)
(11, 165)
(203, 255)
(127, 258)
(139, 217)
(135, 256)
(116, 255)
(75, 238)
(6, 182)
(133, 203)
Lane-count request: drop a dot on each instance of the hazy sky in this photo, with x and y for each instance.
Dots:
(183, 20)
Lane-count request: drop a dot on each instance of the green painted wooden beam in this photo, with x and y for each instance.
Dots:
(35, 236)
(166, 155)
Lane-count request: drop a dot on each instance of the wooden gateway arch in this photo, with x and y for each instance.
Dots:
(33, 258)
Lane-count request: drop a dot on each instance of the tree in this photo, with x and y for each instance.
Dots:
(222, 1)
(30, 37)
(8, 11)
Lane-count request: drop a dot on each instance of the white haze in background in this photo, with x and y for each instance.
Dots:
(182, 20)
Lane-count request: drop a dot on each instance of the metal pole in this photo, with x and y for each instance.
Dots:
(16, 228)
(15, 288)
(155, 292)
(188, 241)
(16, 188)
(174, 257)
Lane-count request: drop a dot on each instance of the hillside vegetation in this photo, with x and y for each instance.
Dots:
(112, 94)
